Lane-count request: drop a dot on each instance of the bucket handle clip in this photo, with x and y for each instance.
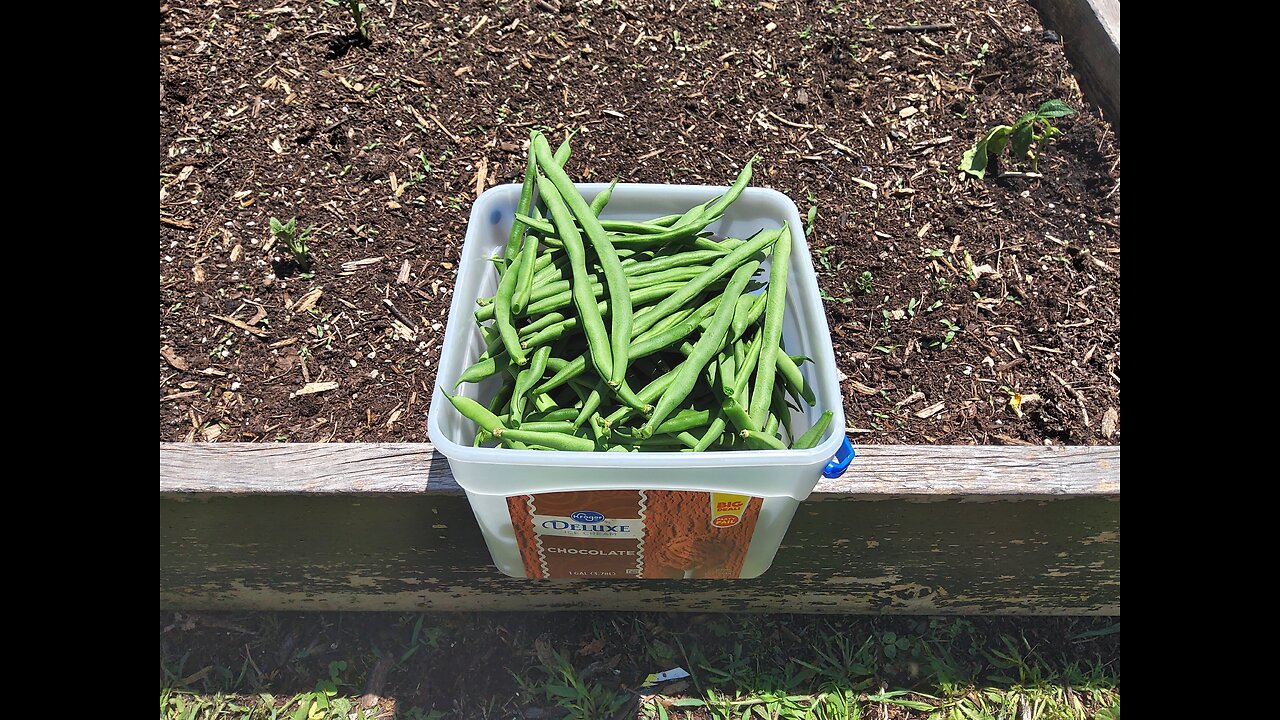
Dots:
(840, 461)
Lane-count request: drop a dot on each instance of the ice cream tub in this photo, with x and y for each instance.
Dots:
(669, 515)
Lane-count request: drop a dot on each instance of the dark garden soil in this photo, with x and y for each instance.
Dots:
(278, 110)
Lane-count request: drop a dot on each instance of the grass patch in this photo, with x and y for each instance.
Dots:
(324, 666)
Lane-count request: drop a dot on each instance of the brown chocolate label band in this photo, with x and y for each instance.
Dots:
(633, 533)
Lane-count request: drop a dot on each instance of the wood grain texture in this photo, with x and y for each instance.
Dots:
(973, 530)
(397, 469)
(1091, 36)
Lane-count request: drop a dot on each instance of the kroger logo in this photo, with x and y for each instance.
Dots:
(586, 516)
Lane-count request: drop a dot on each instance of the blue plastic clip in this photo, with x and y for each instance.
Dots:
(844, 455)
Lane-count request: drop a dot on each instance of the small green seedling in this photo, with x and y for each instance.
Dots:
(1026, 139)
(357, 9)
(865, 281)
(948, 337)
(296, 242)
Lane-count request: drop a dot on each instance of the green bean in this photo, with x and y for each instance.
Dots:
(638, 263)
(719, 268)
(643, 295)
(554, 270)
(686, 233)
(484, 436)
(794, 379)
(554, 324)
(542, 323)
(583, 298)
(630, 227)
(557, 415)
(674, 445)
(648, 393)
(545, 259)
(666, 262)
(697, 218)
(760, 441)
(502, 318)
(771, 426)
(741, 316)
(680, 274)
(664, 324)
(712, 433)
(629, 398)
(779, 409)
(526, 380)
(734, 413)
(475, 412)
(602, 199)
(545, 269)
(619, 336)
(693, 215)
(492, 341)
(556, 331)
(728, 371)
(708, 345)
(524, 275)
(590, 405)
(689, 440)
(576, 366)
(775, 307)
(505, 407)
(522, 207)
(552, 279)
(729, 441)
(553, 440)
(747, 368)
(483, 368)
(657, 442)
(685, 420)
(502, 396)
(811, 436)
(675, 274)
(560, 426)
(543, 402)
(564, 151)
(562, 155)
(615, 227)
(739, 184)
(686, 236)
(596, 426)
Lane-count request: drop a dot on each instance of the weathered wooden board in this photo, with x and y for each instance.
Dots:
(1008, 530)
(1091, 37)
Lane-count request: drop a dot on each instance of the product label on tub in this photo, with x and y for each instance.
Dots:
(634, 533)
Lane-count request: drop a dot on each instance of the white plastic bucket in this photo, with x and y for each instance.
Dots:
(511, 489)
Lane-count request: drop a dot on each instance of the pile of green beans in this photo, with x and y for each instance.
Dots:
(634, 336)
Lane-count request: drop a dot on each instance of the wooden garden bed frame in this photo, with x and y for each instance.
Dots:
(1091, 37)
(909, 529)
